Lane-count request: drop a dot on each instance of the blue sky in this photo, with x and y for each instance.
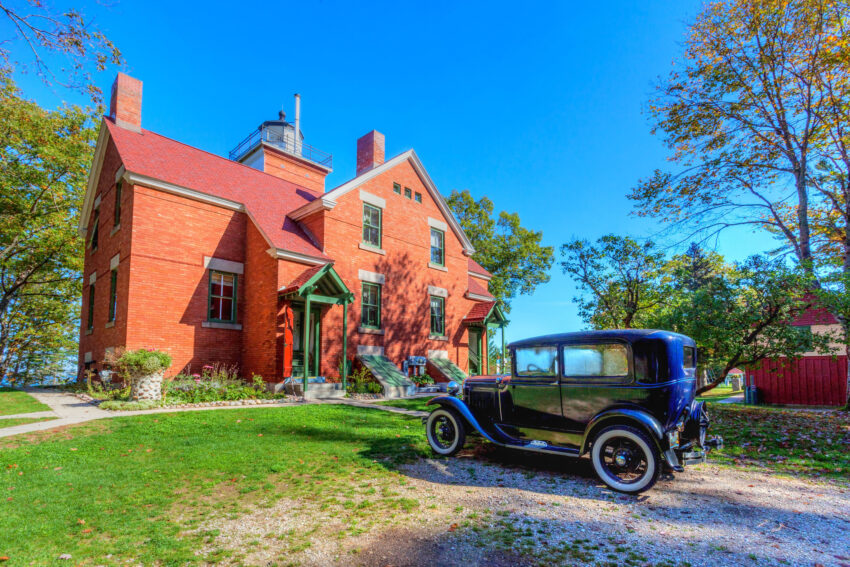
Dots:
(538, 106)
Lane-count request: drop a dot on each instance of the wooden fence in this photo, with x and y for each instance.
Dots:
(807, 381)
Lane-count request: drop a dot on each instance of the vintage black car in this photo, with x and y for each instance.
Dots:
(624, 396)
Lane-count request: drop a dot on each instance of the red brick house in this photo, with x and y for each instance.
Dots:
(248, 260)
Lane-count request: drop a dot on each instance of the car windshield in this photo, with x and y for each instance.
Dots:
(537, 361)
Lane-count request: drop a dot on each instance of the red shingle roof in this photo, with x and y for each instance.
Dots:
(302, 278)
(479, 312)
(477, 268)
(266, 198)
(478, 287)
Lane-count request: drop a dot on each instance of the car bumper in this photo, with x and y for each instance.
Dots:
(677, 459)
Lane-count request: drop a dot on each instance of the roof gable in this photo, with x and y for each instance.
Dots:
(329, 199)
(165, 164)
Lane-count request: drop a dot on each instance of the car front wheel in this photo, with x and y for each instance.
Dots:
(445, 431)
(626, 459)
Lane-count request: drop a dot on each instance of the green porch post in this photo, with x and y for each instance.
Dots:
(318, 358)
(344, 346)
(306, 341)
(503, 349)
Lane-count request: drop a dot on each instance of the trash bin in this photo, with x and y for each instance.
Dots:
(751, 395)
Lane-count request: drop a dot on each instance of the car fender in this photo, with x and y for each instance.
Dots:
(459, 406)
(652, 425)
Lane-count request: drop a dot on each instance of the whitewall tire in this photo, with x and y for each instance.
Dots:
(445, 431)
(626, 459)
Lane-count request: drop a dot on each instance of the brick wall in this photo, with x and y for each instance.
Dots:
(110, 242)
(259, 354)
(169, 284)
(405, 300)
(294, 170)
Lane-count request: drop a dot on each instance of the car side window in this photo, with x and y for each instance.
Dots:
(596, 361)
(537, 361)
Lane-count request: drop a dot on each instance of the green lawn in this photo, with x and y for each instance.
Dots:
(411, 403)
(11, 422)
(798, 443)
(14, 402)
(134, 488)
(719, 393)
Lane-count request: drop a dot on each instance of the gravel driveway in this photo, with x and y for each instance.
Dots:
(498, 507)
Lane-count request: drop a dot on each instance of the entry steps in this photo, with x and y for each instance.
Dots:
(447, 369)
(395, 383)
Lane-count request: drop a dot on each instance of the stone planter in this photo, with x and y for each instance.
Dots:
(147, 387)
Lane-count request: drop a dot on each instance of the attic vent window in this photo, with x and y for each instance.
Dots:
(396, 188)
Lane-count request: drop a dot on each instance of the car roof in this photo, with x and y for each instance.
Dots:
(628, 335)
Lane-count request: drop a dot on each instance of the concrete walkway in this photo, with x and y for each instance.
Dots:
(68, 409)
(736, 399)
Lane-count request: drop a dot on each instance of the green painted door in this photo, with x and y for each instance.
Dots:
(298, 341)
(474, 351)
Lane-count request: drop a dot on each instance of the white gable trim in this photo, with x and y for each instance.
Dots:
(304, 211)
(282, 254)
(336, 193)
(480, 276)
(94, 176)
(477, 297)
(137, 179)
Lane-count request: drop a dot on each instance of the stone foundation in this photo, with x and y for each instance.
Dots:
(147, 387)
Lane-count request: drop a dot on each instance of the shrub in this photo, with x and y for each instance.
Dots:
(423, 379)
(142, 362)
(363, 382)
(215, 383)
(130, 406)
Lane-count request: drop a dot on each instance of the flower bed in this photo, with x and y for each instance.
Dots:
(120, 405)
(216, 385)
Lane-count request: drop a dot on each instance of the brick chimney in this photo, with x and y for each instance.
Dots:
(126, 103)
(370, 151)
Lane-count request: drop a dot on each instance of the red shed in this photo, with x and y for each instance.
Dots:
(813, 379)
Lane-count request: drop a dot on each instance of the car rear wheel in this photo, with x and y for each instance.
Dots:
(445, 431)
(626, 459)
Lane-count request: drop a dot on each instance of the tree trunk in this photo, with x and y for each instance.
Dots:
(720, 378)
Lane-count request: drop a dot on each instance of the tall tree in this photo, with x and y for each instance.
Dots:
(45, 39)
(755, 115)
(45, 158)
(511, 252)
(620, 279)
(737, 314)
